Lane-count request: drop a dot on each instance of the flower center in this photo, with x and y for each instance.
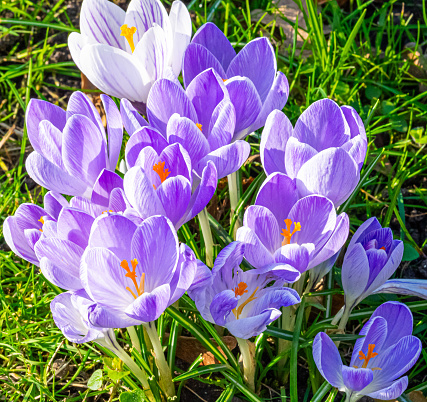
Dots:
(132, 275)
(371, 354)
(106, 211)
(199, 126)
(287, 234)
(239, 291)
(128, 34)
(42, 222)
(382, 248)
(163, 173)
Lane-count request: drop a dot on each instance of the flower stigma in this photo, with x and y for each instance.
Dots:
(41, 220)
(371, 354)
(239, 291)
(132, 275)
(199, 126)
(163, 173)
(287, 234)
(128, 34)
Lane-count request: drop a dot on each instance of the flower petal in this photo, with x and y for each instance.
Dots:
(222, 125)
(391, 392)
(222, 305)
(53, 203)
(114, 129)
(75, 226)
(248, 327)
(105, 183)
(296, 154)
(356, 379)
(131, 118)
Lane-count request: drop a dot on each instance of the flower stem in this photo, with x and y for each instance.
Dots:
(344, 319)
(234, 192)
(207, 236)
(164, 370)
(246, 349)
(134, 339)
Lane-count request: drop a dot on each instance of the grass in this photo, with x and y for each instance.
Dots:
(362, 62)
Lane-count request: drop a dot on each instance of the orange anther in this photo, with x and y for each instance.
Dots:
(128, 34)
(199, 126)
(287, 234)
(163, 173)
(240, 289)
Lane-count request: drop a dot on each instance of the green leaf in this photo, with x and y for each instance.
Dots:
(135, 396)
(399, 124)
(95, 380)
(372, 92)
(115, 375)
(417, 135)
(227, 394)
(387, 107)
(409, 252)
(211, 368)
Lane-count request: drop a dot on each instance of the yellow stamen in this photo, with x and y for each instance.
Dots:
(238, 310)
(371, 354)
(107, 210)
(286, 233)
(132, 275)
(163, 173)
(223, 80)
(240, 289)
(41, 220)
(128, 34)
(199, 126)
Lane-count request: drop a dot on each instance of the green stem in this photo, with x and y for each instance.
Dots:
(134, 339)
(234, 193)
(287, 323)
(293, 383)
(207, 236)
(248, 362)
(164, 370)
(344, 319)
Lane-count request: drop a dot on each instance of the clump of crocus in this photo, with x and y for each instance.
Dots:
(282, 230)
(386, 352)
(241, 301)
(70, 147)
(254, 85)
(324, 152)
(202, 119)
(124, 53)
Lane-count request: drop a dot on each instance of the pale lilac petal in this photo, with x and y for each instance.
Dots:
(256, 253)
(356, 379)
(222, 305)
(104, 184)
(274, 298)
(369, 225)
(276, 133)
(53, 203)
(222, 125)
(278, 193)
(205, 92)
(50, 143)
(53, 178)
(328, 359)
(248, 327)
(227, 159)
(165, 99)
(410, 287)
(87, 206)
(114, 129)
(196, 60)
(76, 42)
(61, 276)
(213, 39)
(38, 110)
(83, 149)
(322, 125)
(296, 154)
(104, 317)
(392, 392)
(101, 20)
(357, 148)
(246, 101)
(178, 161)
(74, 225)
(295, 255)
(357, 128)
(331, 173)
(131, 118)
(256, 61)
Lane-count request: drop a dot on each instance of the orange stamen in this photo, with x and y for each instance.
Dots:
(240, 289)
(382, 248)
(238, 310)
(132, 275)
(371, 354)
(107, 210)
(223, 80)
(128, 34)
(287, 234)
(163, 173)
(42, 222)
(199, 126)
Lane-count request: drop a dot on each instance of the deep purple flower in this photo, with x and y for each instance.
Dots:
(324, 152)
(386, 352)
(70, 147)
(133, 273)
(251, 78)
(202, 119)
(162, 184)
(124, 53)
(281, 229)
(371, 258)
(237, 300)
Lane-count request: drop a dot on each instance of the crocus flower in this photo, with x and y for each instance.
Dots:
(324, 152)
(386, 352)
(133, 273)
(70, 147)
(253, 83)
(162, 184)
(124, 53)
(281, 229)
(202, 119)
(240, 300)
(371, 258)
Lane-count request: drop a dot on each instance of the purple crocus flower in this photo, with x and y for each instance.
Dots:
(162, 184)
(70, 147)
(324, 152)
(386, 352)
(133, 273)
(237, 300)
(124, 53)
(282, 230)
(371, 258)
(253, 83)
(202, 119)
